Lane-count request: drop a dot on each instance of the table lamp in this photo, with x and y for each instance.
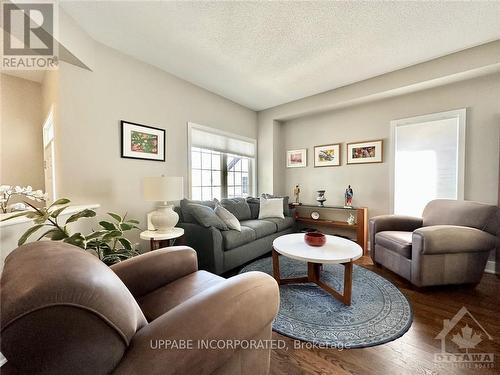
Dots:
(164, 189)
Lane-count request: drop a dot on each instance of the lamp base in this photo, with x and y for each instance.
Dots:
(164, 219)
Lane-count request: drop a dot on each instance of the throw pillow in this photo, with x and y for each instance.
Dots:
(286, 209)
(254, 204)
(238, 207)
(206, 216)
(187, 216)
(271, 208)
(228, 218)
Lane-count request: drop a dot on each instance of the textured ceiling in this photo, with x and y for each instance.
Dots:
(261, 54)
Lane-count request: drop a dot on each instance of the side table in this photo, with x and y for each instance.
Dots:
(157, 240)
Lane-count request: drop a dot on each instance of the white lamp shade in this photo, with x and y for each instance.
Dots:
(163, 189)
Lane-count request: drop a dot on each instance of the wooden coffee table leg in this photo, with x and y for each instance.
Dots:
(276, 267)
(347, 283)
(345, 297)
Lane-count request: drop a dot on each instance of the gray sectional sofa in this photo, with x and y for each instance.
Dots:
(222, 250)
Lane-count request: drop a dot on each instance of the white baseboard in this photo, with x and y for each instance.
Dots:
(490, 267)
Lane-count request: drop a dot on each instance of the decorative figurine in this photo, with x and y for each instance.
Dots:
(351, 220)
(321, 197)
(296, 193)
(348, 197)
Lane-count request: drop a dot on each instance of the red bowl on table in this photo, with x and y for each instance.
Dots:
(315, 239)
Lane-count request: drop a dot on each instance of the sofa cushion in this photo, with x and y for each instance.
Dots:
(261, 228)
(272, 207)
(286, 208)
(206, 216)
(238, 207)
(227, 217)
(187, 216)
(254, 204)
(397, 241)
(233, 238)
(169, 296)
(281, 224)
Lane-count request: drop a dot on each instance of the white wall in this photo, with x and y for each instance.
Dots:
(470, 63)
(21, 132)
(89, 168)
(371, 182)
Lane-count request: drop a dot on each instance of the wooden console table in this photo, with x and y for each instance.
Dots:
(360, 227)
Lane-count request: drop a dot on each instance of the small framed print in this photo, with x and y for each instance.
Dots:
(296, 158)
(365, 152)
(327, 155)
(142, 142)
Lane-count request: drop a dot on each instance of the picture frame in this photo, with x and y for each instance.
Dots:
(327, 155)
(296, 158)
(365, 152)
(143, 142)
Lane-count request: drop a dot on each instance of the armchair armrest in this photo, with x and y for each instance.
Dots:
(208, 244)
(237, 309)
(448, 239)
(150, 271)
(391, 222)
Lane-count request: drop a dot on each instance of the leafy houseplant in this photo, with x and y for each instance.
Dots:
(107, 243)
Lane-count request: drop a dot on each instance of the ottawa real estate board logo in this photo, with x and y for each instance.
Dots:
(29, 35)
(461, 339)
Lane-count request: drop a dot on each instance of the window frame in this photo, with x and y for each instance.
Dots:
(461, 116)
(252, 167)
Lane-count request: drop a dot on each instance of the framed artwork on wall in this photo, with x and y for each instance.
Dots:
(296, 158)
(365, 152)
(142, 142)
(327, 155)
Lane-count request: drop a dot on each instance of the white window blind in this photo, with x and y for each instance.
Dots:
(215, 141)
(428, 162)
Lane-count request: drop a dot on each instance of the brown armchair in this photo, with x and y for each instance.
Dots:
(450, 244)
(65, 312)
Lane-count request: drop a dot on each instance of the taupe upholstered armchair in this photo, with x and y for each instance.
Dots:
(65, 312)
(450, 244)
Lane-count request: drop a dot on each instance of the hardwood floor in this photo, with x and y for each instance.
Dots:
(414, 352)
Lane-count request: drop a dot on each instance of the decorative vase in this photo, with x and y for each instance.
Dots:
(321, 197)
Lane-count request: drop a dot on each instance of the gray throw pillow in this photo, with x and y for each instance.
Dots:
(254, 204)
(187, 216)
(228, 218)
(286, 209)
(206, 216)
(238, 207)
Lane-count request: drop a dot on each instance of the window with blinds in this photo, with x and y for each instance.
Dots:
(428, 160)
(221, 164)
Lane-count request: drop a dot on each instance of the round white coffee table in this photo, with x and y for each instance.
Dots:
(336, 250)
(156, 239)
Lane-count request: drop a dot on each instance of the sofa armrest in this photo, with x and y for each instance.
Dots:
(208, 245)
(391, 222)
(150, 271)
(449, 239)
(237, 309)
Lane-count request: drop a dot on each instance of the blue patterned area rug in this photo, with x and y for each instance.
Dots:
(379, 312)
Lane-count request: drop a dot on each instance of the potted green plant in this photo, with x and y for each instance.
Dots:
(107, 243)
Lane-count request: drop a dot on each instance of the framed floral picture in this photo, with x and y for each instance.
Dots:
(327, 155)
(365, 152)
(296, 158)
(142, 142)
